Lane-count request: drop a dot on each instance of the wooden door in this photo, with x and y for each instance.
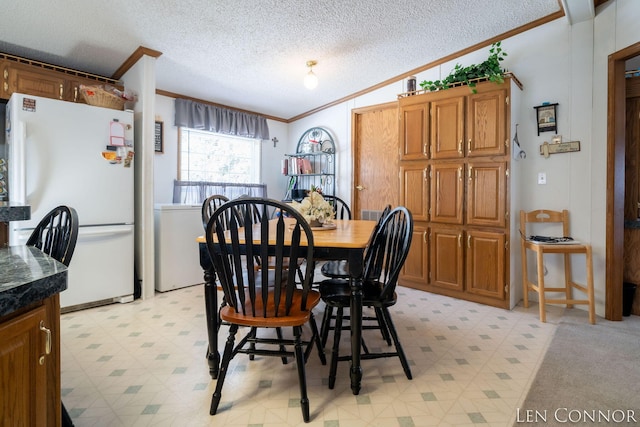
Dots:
(23, 380)
(446, 193)
(486, 193)
(414, 189)
(446, 266)
(487, 123)
(486, 254)
(415, 271)
(375, 160)
(447, 128)
(414, 131)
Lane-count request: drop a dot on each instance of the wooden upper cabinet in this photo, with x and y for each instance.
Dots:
(486, 123)
(486, 193)
(447, 187)
(414, 187)
(447, 128)
(414, 132)
(18, 78)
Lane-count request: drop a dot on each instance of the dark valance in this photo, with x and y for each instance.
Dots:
(207, 117)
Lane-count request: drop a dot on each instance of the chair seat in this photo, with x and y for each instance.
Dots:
(296, 317)
(337, 293)
(335, 269)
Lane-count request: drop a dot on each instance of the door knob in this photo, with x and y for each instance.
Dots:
(360, 187)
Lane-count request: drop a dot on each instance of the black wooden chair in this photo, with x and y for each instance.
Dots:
(260, 298)
(56, 235)
(337, 268)
(209, 205)
(384, 260)
(342, 272)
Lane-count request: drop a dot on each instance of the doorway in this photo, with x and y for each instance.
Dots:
(616, 135)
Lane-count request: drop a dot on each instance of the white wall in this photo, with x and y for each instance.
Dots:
(556, 62)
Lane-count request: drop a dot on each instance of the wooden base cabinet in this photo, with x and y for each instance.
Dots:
(30, 366)
(465, 200)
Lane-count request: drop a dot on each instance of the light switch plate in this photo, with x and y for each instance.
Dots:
(542, 178)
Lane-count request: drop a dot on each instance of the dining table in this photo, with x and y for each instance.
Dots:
(347, 240)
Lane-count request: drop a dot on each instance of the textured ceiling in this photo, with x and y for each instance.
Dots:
(252, 54)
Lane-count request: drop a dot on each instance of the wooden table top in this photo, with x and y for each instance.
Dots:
(346, 234)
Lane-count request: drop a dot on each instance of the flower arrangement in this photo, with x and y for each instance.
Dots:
(314, 208)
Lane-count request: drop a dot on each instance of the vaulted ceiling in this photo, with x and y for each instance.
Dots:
(252, 54)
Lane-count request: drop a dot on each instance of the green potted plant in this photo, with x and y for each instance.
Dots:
(489, 69)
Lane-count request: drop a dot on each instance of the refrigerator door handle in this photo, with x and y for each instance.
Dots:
(105, 231)
(18, 165)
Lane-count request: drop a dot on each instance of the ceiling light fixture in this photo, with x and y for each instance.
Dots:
(311, 80)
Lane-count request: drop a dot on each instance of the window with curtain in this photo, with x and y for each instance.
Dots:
(214, 157)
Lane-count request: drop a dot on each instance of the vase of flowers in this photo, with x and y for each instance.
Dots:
(314, 208)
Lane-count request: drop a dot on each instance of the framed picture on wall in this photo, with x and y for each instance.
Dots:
(546, 117)
(159, 137)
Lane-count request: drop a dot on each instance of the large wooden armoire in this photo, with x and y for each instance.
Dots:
(455, 178)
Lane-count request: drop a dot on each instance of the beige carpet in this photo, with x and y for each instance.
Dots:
(589, 376)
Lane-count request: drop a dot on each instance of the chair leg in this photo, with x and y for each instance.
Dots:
(304, 400)
(525, 277)
(541, 295)
(396, 342)
(336, 345)
(224, 365)
(568, 287)
(326, 324)
(590, 291)
(282, 347)
(315, 339)
(384, 329)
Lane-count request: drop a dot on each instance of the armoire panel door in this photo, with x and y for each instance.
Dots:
(486, 124)
(486, 264)
(447, 128)
(446, 193)
(486, 194)
(414, 190)
(414, 132)
(446, 258)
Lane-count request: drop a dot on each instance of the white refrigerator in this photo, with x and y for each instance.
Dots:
(64, 153)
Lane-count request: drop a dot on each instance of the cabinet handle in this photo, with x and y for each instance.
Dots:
(360, 187)
(460, 147)
(61, 90)
(460, 173)
(48, 337)
(470, 172)
(424, 236)
(469, 241)
(424, 176)
(75, 94)
(469, 145)
(6, 87)
(424, 149)
(6, 74)
(459, 240)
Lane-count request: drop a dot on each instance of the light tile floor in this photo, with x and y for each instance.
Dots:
(143, 364)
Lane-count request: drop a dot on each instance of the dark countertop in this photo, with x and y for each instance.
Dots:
(14, 212)
(28, 275)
